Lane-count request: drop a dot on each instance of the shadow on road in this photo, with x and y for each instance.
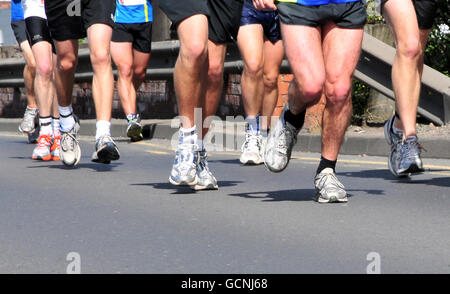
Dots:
(386, 174)
(94, 166)
(183, 189)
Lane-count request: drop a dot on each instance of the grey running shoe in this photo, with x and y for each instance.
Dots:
(105, 150)
(410, 161)
(30, 120)
(395, 141)
(206, 180)
(328, 187)
(34, 136)
(280, 142)
(184, 169)
(251, 149)
(70, 148)
(134, 129)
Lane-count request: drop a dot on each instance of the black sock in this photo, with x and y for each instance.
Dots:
(324, 163)
(397, 116)
(297, 120)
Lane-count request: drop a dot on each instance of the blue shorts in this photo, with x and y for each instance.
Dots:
(268, 19)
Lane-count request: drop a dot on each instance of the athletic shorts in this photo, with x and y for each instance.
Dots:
(268, 19)
(19, 29)
(139, 34)
(37, 31)
(350, 15)
(223, 15)
(69, 19)
(425, 11)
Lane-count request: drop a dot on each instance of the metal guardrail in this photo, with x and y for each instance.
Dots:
(374, 68)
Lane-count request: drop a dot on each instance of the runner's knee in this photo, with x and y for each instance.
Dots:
(194, 52)
(410, 48)
(338, 91)
(270, 81)
(100, 57)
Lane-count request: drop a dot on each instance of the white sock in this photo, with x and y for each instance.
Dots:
(56, 127)
(188, 136)
(46, 126)
(67, 122)
(200, 145)
(103, 129)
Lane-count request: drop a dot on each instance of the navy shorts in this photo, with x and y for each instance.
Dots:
(268, 19)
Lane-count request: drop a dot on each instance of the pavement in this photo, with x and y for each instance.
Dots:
(126, 218)
(358, 141)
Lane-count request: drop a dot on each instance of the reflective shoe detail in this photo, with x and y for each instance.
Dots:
(280, 142)
(134, 129)
(206, 180)
(42, 149)
(251, 149)
(30, 120)
(329, 188)
(184, 169)
(70, 152)
(56, 148)
(395, 141)
(106, 150)
(410, 161)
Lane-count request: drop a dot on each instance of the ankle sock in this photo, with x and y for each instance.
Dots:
(188, 136)
(45, 122)
(56, 127)
(265, 133)
(325, 163)
(296, 120)
(102, 129)
(67, 122)
(131, 116)
(253, 124)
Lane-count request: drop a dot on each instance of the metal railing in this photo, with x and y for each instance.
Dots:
(374, 69)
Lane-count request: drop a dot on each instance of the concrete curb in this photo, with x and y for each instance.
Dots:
(353, 144)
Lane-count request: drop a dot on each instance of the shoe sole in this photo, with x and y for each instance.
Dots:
(333, 199)
(184, 183)
(276, 170)
(412, 170)
(45, 158)
(77, 159)
(135, 133)
(251, 162)
(107, 154)
(205, 188)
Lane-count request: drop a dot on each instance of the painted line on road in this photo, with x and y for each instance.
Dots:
(157, 152)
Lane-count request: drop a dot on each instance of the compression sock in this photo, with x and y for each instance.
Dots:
(325, 163)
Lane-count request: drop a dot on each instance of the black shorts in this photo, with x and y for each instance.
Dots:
(139, 34)
(350, 15)
(223, 15)
(425, 11)
(269, 20)
(69, 19)
(37, 31)
(19, 30)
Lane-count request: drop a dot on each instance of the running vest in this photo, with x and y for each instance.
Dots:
(34, 8)
(316, 2)
(134, 11)
(16, 10)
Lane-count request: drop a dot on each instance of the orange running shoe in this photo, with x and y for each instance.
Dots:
(56, 148)
(42, 150)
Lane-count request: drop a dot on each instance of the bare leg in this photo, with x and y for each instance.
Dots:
(65, 73)
(251, 44)
(191, 67)
(122, 54)
(140, 62)
(405, 70)
(273, 56)
(43, 82)
(214, 87)
(99, 36)
(340, 62)
(29, 73)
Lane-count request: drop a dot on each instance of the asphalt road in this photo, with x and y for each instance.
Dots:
(126, 217)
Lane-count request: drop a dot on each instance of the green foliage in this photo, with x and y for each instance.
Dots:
(360, 99)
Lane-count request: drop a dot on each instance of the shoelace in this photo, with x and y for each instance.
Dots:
(252, 142)
(44, 141)
(185, 154)
(409, 148)
(332, 179)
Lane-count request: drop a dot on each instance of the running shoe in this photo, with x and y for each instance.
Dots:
(30, 120)
(389, 134)
(251, 149)
(105, 150)
(328, 187)
(280, 142)
(134, 129)
(34, 136)
(206, 180)
(184, 169)
(410, 161)
(70, 152)
(395, 142)
(56, 148)
(42, 149)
